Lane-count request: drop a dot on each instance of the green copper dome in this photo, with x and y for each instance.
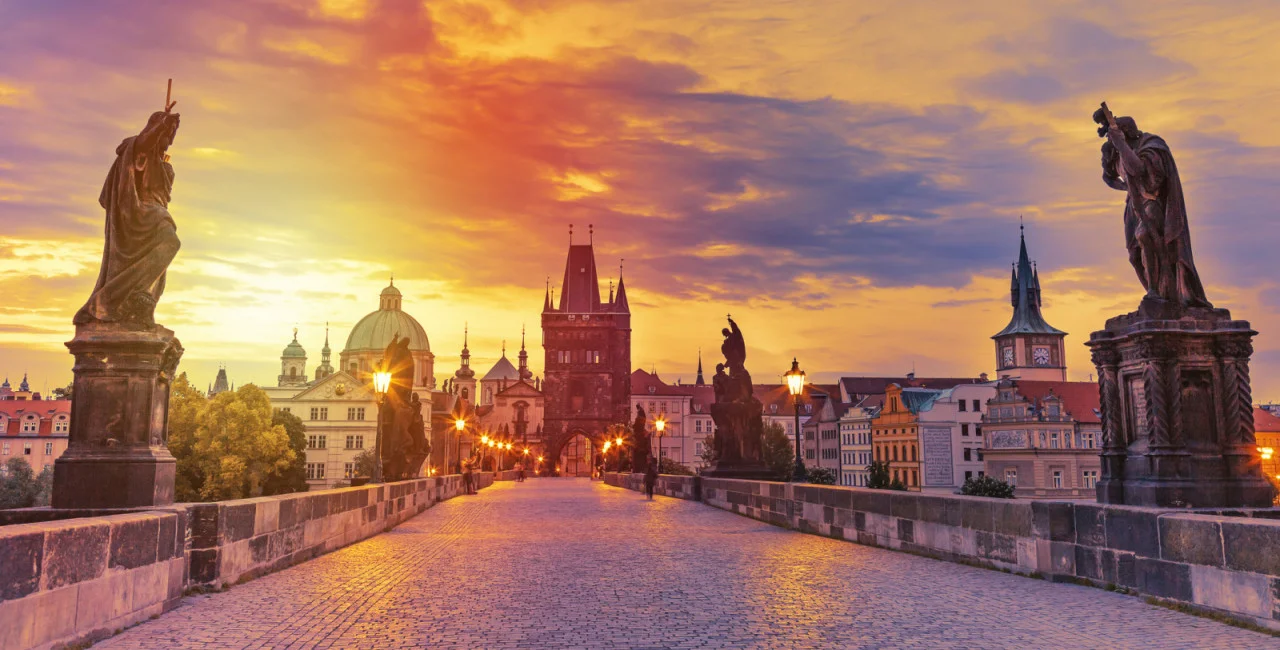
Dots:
(374, 331)
(294, 349)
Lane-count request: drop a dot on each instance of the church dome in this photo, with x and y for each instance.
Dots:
(374, 331)
(294, 349)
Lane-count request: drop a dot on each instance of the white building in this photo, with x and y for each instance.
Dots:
(339, 407)
(855, 441)
(950, 431)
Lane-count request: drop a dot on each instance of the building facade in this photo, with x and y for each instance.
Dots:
(33, 429)
(339, 406)
(1044, 438)
(895, 432)
(855, 441)
(951, 448)
(587, 368)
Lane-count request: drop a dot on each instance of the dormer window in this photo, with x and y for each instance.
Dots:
(653, 389)
(773, 408)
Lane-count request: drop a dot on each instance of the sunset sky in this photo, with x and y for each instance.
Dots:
(846, 178)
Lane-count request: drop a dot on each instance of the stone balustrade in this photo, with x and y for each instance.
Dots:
(1215, 561)
(69, 580)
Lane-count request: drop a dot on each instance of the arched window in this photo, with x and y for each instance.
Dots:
(913, 452)
(895, 452)
(293, 372)
(353, 367)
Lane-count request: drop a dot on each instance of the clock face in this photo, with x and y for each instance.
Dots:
(1006, 355)
(1040, 356)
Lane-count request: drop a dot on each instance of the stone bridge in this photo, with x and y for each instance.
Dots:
(564, 563)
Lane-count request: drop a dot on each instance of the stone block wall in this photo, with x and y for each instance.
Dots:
(67, 580)
(676, 487)
(1215, 561)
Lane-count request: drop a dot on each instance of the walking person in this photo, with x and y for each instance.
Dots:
(650, 477)
(468, 486)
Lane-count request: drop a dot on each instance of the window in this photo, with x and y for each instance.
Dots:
(962, 406)
(976, 407)
(5, 449)
(968, 454)
(1089, 478)
(31, 424)
(315, 441)
(1088, 439)
(1011, 476)
(1054, 410)
(62, 425)
(915, 478)
(964, 428)
(1053, 440)
(355, 413)
(698, 449)
(808, 453)
(968, 475)
(355, 442)
(1057, 478)
(979, 454)
(315, 471)
(348, 470)
(26, 449)
(285, 409)
(48, 449)
(913, 453)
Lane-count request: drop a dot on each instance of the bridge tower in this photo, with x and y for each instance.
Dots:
(587, 369)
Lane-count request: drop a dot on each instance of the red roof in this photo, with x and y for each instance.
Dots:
(1265, 422)
(13, 412)
(642, 381)
(1080, 398)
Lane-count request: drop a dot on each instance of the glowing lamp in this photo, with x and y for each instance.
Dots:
(795, 379)
(460, 424)
(660, 424)
(381, 382)
(618, 442)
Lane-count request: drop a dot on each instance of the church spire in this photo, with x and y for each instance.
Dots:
(546, 298)
(465, 371)
(525, 373)
(700, 381)
(620, 303)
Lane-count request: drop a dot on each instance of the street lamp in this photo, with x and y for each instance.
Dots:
(795, 384)
(460, 425)
(605, 451)
(381, 383)
(660, 424)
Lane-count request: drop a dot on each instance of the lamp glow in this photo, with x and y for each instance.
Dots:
(460, 424)
(795, 379)
(381, 382)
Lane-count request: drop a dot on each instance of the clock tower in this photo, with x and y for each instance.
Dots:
(1028, 347)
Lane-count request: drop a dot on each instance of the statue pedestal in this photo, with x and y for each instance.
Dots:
(1177, 409)
(117, 455)
(739, 439)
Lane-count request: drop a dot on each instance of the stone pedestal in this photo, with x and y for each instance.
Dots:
(739, 439)
(1177, 409)
(117, 455)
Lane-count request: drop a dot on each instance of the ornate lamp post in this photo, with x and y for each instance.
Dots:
(617, 444)
(795, 384)
(460, 425)
(661, 425)
(381, 383)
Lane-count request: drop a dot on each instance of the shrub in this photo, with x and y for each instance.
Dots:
(777, 451)
(668, 466)
(986, 486)
(820, 475)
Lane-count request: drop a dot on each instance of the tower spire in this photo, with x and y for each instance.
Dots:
(700, 381)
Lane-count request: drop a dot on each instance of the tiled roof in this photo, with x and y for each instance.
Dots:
(642, 381)
(1080, 398)
(13, 412)
(854, 386)
(1264, 421)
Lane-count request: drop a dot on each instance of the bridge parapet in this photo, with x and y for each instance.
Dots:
(68, 580)
(1220, 561)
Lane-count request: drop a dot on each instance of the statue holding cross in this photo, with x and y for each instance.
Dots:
(141, 236)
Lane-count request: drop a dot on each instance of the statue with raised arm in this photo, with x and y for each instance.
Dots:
(1155, 215)
(734, 348)
(141, 237)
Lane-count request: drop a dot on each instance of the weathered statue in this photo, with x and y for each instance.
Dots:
(418, 427)
(640, 447)
(737, 413)
(1155, 215)
(403, 446)
(141, 237)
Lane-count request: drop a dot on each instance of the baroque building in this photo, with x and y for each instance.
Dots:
(587, 366)
(338, 406)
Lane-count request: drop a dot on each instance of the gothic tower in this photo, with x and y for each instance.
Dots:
(1028, 347)
(587, 372)
(464, 379)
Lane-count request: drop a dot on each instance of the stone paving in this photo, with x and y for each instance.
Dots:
(567, 563)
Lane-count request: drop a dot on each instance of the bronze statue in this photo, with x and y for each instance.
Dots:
(141, 237)
(1155, 215)
(736, 413)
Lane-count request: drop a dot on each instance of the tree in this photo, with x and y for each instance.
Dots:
(777, 452)
(63, 393)
(669, 466)
(227, 447)
(820, 475)
(44, 487)
(708, 454)
(185, 405)
(878, 477)
(987, 486)
(365, 464)
(18, 486)
(293, 478)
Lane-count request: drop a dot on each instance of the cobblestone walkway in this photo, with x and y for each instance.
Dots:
(567, 563)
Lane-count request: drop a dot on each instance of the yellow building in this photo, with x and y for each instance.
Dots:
(895, 433)
(1267, 431)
